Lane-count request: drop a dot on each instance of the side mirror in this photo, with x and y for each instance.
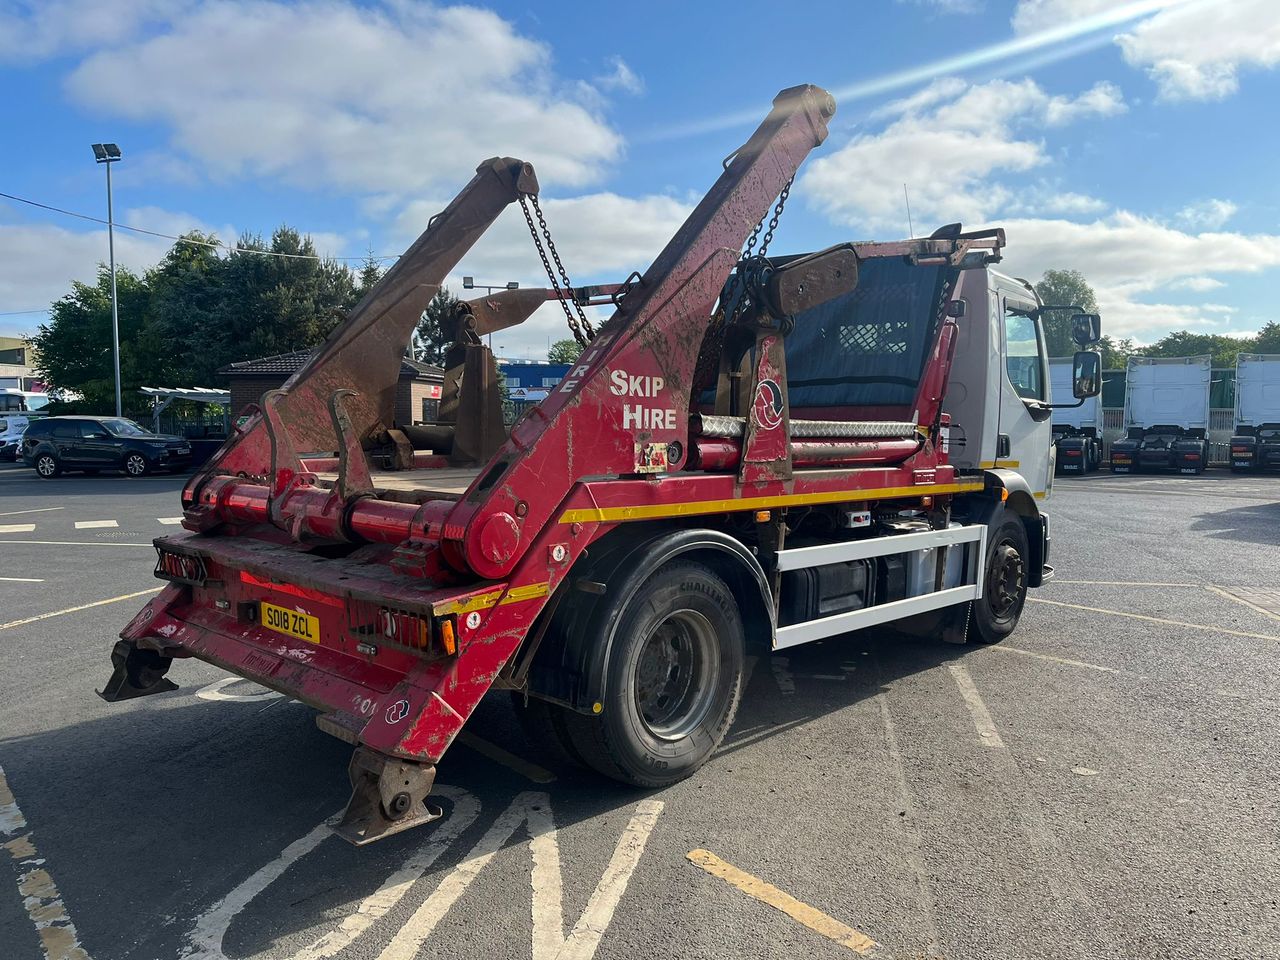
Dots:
(1086, 374)
(957, 309)
(1086, 328)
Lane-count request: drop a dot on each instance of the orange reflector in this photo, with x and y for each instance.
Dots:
(447, 638)
(926, 501)
(763, 516)
(1004, 494)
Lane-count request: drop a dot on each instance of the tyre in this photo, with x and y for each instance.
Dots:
(47, 466)
(1004, 587)
(672, 681)
(135, 465)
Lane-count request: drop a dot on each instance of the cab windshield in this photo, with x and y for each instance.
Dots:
(126, 428)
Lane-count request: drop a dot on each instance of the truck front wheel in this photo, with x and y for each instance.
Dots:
(672, 682)
(1004, 586)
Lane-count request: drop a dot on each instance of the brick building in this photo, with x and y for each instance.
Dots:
(417, 394)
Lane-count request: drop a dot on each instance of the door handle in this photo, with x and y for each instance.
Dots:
(1002, 446)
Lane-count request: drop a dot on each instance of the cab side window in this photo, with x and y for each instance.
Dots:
(1022, 355)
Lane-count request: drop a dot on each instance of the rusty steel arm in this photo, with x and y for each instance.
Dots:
(366, 351)
(658, 328)
(509, 308)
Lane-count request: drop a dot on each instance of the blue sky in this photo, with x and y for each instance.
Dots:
(1134, 141)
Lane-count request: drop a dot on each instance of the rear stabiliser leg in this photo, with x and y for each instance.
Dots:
(137, 673)
(387, 796)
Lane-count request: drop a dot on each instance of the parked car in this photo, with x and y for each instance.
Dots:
(11, 430)
(100, 443)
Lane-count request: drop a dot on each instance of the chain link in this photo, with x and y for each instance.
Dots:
(579, 325)
(736, 287)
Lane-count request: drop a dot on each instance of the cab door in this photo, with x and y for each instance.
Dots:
(1025, 440)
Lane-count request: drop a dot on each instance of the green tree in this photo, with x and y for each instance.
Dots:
(1116, 353)
(1267, 340)
(1184, 343)
(564, 351)
(272, 304)
(432, 338)
(370, 273)
(186, 292)
(1063, 288)
(74, 346)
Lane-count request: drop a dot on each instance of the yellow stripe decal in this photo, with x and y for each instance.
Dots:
(483, 601)
(697, 507)
(1040, 494)
(1004, 464)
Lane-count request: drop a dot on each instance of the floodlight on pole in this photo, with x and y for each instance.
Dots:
(469, 283)
(109, 153)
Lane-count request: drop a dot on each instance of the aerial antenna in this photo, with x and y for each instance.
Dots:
(911, 230)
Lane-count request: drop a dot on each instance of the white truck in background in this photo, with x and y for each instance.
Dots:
(1255, 444)
(1166, 415)
(1077, 431)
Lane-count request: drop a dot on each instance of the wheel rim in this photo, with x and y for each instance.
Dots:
(676, 675)
(45, 466)
(1004, 580)
(135, 466)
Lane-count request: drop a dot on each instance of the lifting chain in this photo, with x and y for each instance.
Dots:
(579, 325)
(748, 253)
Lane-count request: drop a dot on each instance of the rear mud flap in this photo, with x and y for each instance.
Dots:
(387, 796)
(137, 673)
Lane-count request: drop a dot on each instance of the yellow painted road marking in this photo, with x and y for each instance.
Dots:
(83, 606)
(650, 511)
(1142, 616)
(1252, 606)
(494, 752)
(40, 895)
(770, 895)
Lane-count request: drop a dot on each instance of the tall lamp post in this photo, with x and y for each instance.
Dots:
(469, 283)
(109, 153)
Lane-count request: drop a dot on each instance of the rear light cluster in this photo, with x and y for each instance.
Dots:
(1240, 450)
(180, 568)
(374, 624)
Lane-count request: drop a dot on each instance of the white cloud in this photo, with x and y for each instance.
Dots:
(33, 30)
(620, 77)
(1197, 284)
(1192, 49)
(1196, 51)
(1207, 214)
(394, 99)
(1126, 257)
(947, 144)
(41, 260)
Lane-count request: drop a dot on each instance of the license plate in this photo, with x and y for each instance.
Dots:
(301, 626)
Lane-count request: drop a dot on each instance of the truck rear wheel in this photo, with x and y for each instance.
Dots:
(672, 681)
(1004, 587)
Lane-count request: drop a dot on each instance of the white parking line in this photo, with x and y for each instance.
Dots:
(39, 893)
(95, 524)
(17, 527)
(982, 721)
(14, 513)
(169, 521)
(20, 580)
(494, 752)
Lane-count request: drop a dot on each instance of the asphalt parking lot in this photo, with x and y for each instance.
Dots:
(1103, 785)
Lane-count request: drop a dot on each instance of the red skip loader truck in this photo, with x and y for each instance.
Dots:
(754, 450)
